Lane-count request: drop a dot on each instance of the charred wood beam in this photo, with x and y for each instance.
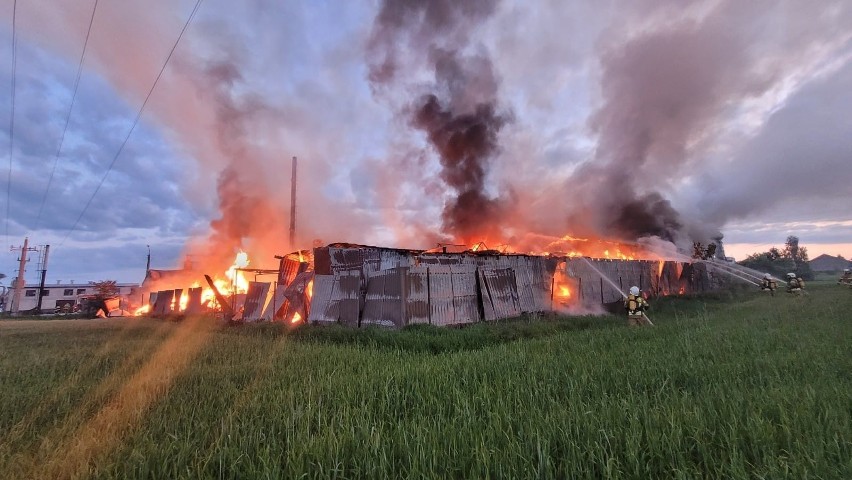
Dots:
(223, 302)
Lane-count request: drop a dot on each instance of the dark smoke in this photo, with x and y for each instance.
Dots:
(420, 25)
(465, 143)
(650, 215)
(460, 116)
(664, 91)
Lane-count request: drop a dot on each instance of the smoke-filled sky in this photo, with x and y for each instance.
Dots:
(503, 121)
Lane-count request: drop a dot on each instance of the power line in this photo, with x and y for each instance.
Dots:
(12, 118)
(67, 117)
(135, 122)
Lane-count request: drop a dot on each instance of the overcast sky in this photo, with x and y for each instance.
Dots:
(619, 119)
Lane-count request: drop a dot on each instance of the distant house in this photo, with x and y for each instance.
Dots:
(59, 294)
(828, 263)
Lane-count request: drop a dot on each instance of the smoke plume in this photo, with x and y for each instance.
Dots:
(459, 116)
(662, 90)
(523, 123)
(669, 93)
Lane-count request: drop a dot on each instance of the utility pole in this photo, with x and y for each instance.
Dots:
(20, 284)
(43, 262)
(293, 206)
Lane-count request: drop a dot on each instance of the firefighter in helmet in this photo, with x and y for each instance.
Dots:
(768, 284)
(846, 278)
(635, 306)
(795, 284)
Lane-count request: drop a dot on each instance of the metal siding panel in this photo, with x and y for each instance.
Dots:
(275, 303)
(588, 280)
(193, 303)
(349, 287)
(288, 269)
(322, 261)
(541, 283)
(255, 300)
(465, 298)
(324, 292)
(501, 287)
(346, 259)
(417, 301)
(611, 294)
(524, 287)
(488, 308)
(371, 261)
(441, 295)
(175, 308)
(164, 302)
(700, 278)
(393, 259)
(384, 304)
(294, 298)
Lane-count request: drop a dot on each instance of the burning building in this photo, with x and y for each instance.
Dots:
(359, 285)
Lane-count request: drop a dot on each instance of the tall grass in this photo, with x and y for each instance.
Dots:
(728, 386)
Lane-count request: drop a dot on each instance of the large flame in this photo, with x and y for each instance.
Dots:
(230, 282)
(235, 281)
(239, 284)
(571, 246)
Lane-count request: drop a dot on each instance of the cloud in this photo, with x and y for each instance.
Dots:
(797, 165)
(714, 113)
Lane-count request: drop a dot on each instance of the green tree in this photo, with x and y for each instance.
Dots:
(792, 258)
(106, 289)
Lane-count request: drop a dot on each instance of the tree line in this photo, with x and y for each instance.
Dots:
(779, 262)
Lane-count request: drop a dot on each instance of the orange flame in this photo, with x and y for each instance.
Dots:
(297, 317)
(238, 280)
(142, 310)
(570, 246)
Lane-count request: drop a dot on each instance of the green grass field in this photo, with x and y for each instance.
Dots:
(735, 385)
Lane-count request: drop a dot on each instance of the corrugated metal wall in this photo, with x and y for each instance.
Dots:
(417, 296)
(384, 302)
(442, 310)
(375, 286)
(464, 293)
(652, 277)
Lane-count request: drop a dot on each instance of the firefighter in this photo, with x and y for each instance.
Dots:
(846, 278)
(635, 306)
(795, 285)
(768, 284)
